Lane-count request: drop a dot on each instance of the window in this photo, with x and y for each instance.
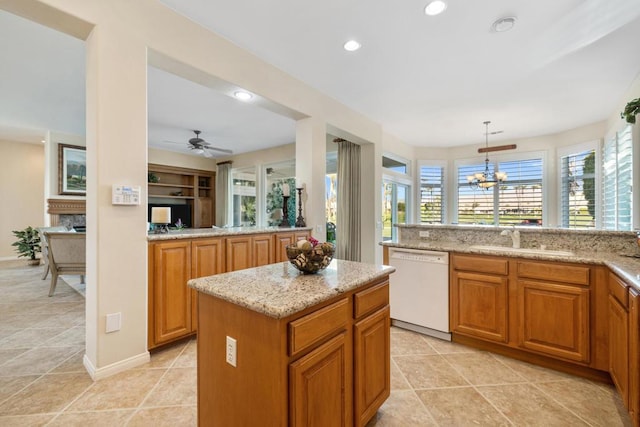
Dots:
(275, 175)
(394, 207)
(517, 201)
(616, 181)
(431, 194)
(396, 164)
(578, 189)
(243, 194)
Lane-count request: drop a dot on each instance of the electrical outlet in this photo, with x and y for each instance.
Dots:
(424, 234)
(232, 351)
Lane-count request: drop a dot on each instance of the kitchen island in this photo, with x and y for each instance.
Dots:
(276, 347)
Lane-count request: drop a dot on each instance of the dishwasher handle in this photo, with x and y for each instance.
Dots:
(417, 255)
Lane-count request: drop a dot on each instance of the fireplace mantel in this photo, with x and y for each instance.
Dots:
(57, 207)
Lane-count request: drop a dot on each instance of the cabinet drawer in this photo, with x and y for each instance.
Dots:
(619, 290)
(481, 264)
(555, 272)
(313, 328)
(371, 299)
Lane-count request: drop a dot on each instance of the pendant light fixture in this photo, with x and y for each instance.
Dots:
(486, 180)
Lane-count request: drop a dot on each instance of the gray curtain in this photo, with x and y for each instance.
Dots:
(348, 216)
(223, 189)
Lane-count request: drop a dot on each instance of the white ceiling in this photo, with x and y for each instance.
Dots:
(430, 81)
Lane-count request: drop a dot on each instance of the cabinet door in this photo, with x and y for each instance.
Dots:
(282, 240)
(372, 364)
(634, 360)
(320, 386)
(238, 253)
(619, 348)
(302, 235)
(262, 248)
(204, 213)
(206, 261)
(171, 295)
(478, 304)
(554, 319)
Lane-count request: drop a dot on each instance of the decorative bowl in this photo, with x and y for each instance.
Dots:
(311, 260)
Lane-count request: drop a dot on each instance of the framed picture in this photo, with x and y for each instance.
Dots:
(72, 170)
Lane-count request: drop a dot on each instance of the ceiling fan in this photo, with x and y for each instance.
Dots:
(203, 147)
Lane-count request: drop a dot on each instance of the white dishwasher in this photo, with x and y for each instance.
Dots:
(419, 291)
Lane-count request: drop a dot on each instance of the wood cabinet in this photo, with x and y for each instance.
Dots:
(282, 240)
(634, 359)
(619, 336)
(207, 259)
(543, 308)
(170, 185)
(479, 297)
(170, 298)
(328, 365)
(248, 251)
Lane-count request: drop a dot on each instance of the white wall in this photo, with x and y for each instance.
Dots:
(22, 189)
(171, 158)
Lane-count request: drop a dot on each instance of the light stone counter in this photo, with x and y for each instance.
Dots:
(279, 290)
(190, 233)
(627, 267)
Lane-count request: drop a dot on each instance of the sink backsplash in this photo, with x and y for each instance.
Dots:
(553, 239)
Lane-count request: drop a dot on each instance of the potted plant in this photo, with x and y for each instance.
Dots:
(632, 108)
(28, 244)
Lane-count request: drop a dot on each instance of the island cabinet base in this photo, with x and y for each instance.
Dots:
(328, 365)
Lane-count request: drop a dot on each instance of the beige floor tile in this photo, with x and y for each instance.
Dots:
(446, 347)
(50, 393)
(429, 371)
(11, 385)
(29, 338)
(188, 357)
(532, 373)
(164, 357)
(398, 381)
(8, 354)
(598, 404)
(39, 360)
(115, 418)
(183, 416)
(72, 364)
(4, 333)
(64, 320)
(26, 420)
(462, 406)
(177, 387)
(482, 368)
(23, 321)
(406, 342)
(525, 405)
(72, 336)
(402, 409)
(124, 390)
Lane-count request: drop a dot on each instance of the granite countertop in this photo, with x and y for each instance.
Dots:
(189, 233)
(279, 290)
(627, 267)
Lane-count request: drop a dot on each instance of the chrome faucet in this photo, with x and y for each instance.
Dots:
(515, 236)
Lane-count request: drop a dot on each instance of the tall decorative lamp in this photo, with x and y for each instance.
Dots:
(160, 218)
(285, 201)
(300, 220)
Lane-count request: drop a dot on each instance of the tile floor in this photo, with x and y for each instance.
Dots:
(434, 383)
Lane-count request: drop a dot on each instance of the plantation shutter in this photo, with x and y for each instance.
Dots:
(617, 171)
(520, 197)
(475, 205)
(431, 194)
(578, 190)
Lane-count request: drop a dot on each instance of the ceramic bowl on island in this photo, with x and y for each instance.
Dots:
(310, 256)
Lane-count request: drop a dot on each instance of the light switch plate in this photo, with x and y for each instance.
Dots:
(114, 322)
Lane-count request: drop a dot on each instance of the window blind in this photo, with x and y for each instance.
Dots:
(617, 174)
(578, 190)
(431, 194)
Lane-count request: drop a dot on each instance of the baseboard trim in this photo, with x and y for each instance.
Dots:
(114, 368)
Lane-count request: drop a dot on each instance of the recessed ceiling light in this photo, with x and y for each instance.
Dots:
(504, 24)
(436, 7)
(242, 95)
(352, 45)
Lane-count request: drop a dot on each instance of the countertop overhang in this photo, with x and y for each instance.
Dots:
(190, 233)
(279, 290)
(626, 266)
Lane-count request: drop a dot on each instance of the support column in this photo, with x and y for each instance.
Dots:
(311, 165)
(116, 235)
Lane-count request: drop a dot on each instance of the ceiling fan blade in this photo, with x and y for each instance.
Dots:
(222, 150)
(172, 142)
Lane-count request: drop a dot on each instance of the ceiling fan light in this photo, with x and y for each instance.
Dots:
(242, 95)
(435, 7)
(352, 46)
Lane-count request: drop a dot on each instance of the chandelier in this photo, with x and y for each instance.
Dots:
(485, 179)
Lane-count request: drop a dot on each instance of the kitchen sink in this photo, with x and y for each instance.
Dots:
(530, 251)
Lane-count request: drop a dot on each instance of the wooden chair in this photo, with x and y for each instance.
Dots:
(44, 246)
(67, 255)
